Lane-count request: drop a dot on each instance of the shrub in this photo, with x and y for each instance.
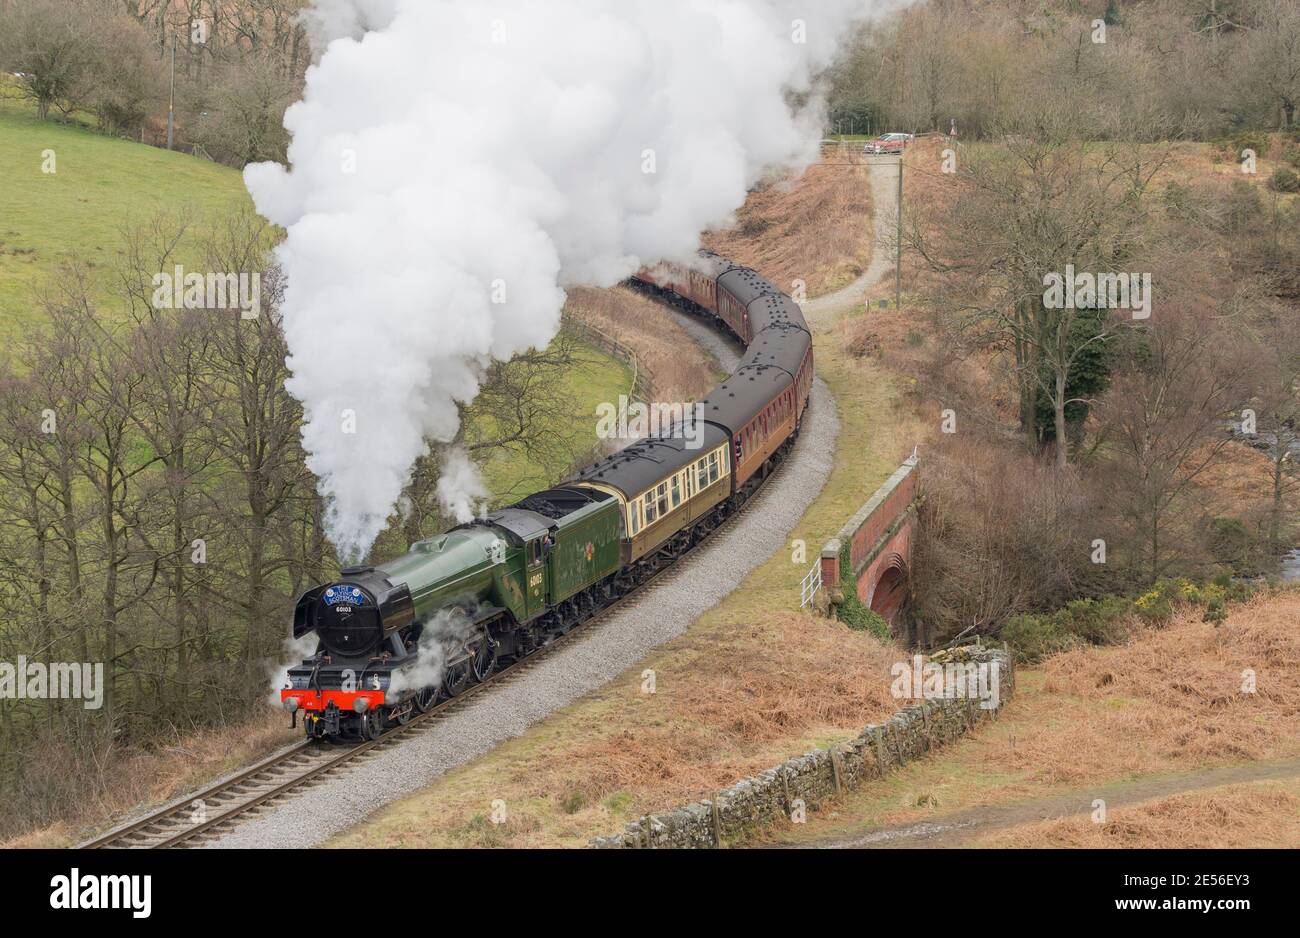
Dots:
(1232, 544)
(1284, 180)
(1102, 621)
(1180, 202)
(1099, 621)
(1033, 638)
(861, 339)
(1241, 206)
(1091, 621)
(1159, 603)
(571, 802)
(972, 566)
(859, 617)
(1216, 612)
(1245, 140)
(1156, 605)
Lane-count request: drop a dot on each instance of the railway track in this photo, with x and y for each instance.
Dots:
(211, 813)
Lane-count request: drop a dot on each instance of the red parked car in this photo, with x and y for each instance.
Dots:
(888, 143)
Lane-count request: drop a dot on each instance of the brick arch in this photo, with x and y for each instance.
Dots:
(871, 556)
(888, 590)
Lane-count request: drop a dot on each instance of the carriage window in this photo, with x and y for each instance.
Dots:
(702, 474)
(713, 467)
(651, 510)
(677, 490)
(634, 516)
(662, 492)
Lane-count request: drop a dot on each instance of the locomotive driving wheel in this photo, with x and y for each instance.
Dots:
(372, 725)
(457, 680)
(484, 661)
(400, 715)
(480, 664)
(425, 699)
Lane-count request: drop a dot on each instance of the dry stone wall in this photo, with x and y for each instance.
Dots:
(814, 777)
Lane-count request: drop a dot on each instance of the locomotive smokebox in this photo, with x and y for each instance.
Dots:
(354, 616)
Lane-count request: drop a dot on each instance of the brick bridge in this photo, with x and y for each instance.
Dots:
(873, 552)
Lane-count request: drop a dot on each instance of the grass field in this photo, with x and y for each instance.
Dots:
(103, 184)
(99, 185)
(594, 378)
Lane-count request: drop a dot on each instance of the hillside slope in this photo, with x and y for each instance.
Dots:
(1164, 729)
(99, 185)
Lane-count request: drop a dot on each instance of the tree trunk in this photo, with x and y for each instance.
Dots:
(69, 526)
(1275, 516)
(1058, 407)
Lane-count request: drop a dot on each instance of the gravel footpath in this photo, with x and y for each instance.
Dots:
(883, 171)
(662, 611)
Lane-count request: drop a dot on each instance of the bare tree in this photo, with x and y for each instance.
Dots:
(239, 118)
(123, 84)
(1278, 406)
(1273, 56)
(48, 45)
(1034, 206)
(1163, 422)
(255, 430)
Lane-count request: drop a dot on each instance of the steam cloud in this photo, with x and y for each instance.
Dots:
(456, 164)
(442, 640)
(296, 650)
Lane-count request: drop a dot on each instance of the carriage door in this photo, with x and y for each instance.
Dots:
(535, 576)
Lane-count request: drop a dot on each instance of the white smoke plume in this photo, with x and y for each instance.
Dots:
(457, 163)
(460, 488)
(296, 650)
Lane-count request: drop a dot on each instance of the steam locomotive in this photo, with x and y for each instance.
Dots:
(395, 638)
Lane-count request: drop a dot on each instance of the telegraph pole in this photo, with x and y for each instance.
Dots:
(171, 101)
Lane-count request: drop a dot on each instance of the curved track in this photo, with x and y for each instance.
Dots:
(215, 811)
(212, 813)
